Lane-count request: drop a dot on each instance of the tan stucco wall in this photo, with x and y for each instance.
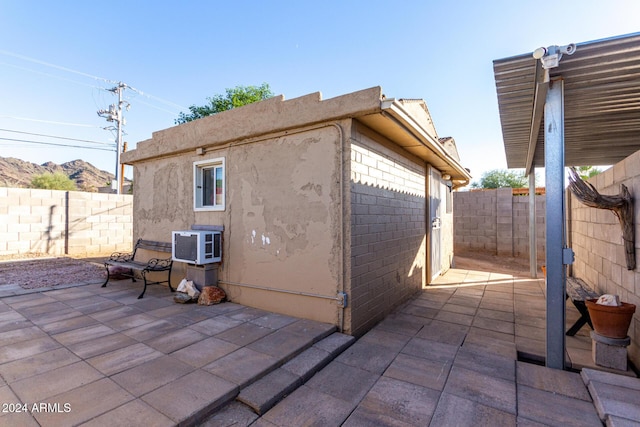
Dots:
(255, 120)
(282, 220)
(596, 238)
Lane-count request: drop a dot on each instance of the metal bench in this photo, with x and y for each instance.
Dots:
(129, 261)
(578, 291)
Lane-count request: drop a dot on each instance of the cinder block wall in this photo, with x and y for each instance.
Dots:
(520, 209)
(59, 222)
(387, 231)
(496, 222)
(475, 221)
(596, 238)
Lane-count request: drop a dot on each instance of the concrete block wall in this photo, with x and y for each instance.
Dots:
(596, 238)
(504, 222)
(520, 209)
(496, 222)
(475, 221)
(56, 222)
(387, 231)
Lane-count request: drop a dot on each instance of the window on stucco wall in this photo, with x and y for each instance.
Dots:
(208, 191)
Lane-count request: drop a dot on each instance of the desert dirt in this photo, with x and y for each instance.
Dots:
(44, 272)
(486, 262)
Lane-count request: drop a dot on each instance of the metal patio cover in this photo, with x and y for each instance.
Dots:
(601, 103)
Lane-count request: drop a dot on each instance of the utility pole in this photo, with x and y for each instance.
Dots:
(114, 114)
(121, 183)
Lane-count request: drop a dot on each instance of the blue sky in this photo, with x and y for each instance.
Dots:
(58, 58)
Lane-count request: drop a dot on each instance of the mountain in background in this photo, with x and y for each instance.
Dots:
(18, 173)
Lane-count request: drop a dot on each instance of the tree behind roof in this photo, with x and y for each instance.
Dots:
(236, 97)
(500, 178)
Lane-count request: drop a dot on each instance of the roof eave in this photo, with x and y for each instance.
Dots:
(428, 145)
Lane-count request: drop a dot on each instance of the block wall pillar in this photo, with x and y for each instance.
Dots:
(504, 222)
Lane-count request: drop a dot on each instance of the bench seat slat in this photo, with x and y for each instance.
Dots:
(578, 290)
(134, 265)
(154, 246)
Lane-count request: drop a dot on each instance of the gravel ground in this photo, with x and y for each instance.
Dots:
(43, 272)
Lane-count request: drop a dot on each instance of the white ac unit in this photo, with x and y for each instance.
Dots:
(196, 246)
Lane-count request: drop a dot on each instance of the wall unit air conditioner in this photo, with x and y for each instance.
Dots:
(196, 246)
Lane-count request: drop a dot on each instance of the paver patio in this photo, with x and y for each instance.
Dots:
(458, 353)
(100, 356)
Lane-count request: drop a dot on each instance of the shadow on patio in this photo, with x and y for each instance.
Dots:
(510, 306)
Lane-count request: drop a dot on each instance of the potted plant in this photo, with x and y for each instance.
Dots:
(610, 320)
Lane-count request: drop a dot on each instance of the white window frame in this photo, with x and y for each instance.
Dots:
(198, 168)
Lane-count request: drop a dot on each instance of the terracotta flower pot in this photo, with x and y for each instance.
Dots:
(611, 321)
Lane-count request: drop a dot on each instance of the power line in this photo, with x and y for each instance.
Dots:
(58, 145)
(70, 70)
(50, 122)
(157, 99)
(173, 113)
(52, 75)
(57, 137)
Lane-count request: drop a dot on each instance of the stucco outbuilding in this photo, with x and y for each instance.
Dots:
(335, 210)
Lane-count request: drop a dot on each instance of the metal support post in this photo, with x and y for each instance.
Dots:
(533, 254)
(554, 181)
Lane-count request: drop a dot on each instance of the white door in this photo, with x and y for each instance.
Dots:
(435, 217)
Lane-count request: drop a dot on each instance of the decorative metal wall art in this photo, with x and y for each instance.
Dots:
(621, 205)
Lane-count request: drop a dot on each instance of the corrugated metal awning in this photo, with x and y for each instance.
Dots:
(601, 103)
